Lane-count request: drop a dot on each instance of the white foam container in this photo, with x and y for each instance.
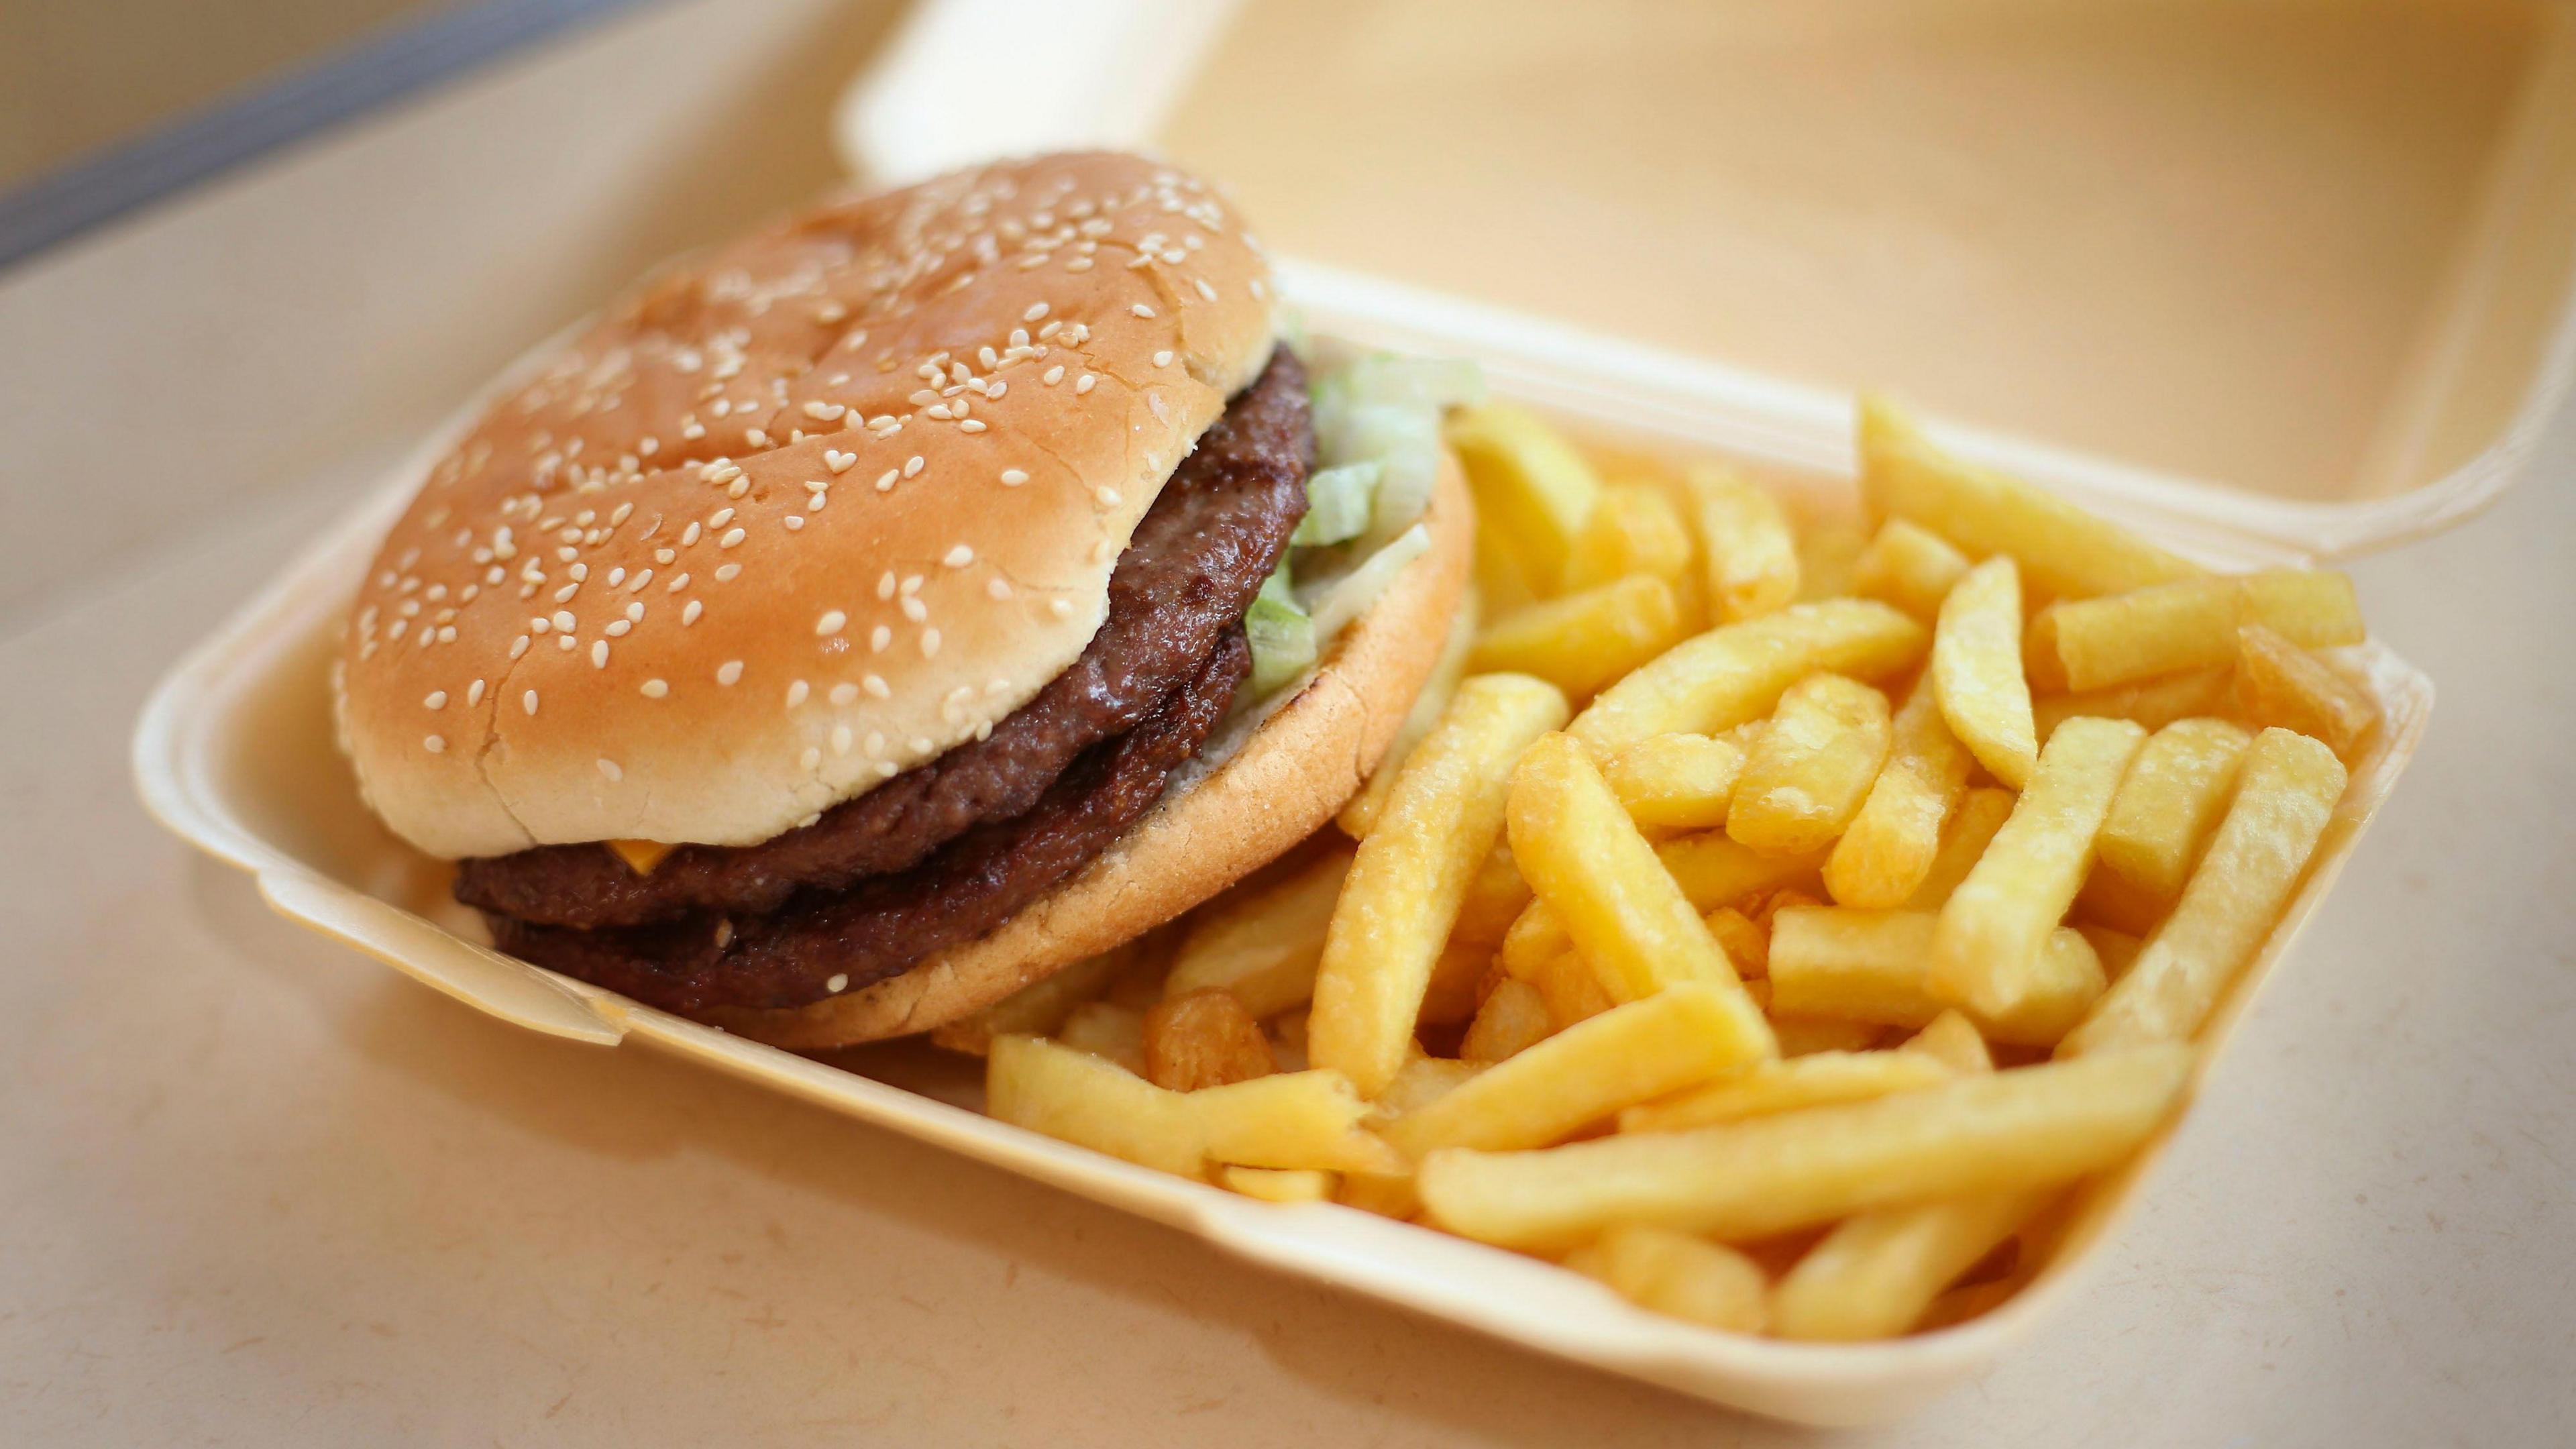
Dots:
(234, 754)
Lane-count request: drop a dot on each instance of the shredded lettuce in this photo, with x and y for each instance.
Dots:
(1282, 637)
(1337, 504)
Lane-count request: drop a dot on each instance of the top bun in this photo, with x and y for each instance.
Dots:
(800, 515)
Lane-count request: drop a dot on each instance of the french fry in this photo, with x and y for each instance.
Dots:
(2284, 799)
(1977, 671)
(1747, 941)
(1581, 641)
(1261, 946)
(1677, 1275)
(1953, 1041)
(2280, 684)
(1677, 781)
(2026, 1128)
(1292, 1119)
(1423, 1081)
(1203, 1039)
(1500, 580)
(2067, 552)
(1495, 898)
(2153, 704)
(1828, 556)
(1513, 1019)
(1745, 541)
(1987, 946)
(1106, 1030)
(1571, 990)
(1038, 1008)
(1450, 996)
(1634, 529)
(1734, 674)
(1075, 1096)
(1820, 1079)
(1280, 1184)
(1361, 810)
(2176, 790)
(1887, 850)
(2109, 899)
(1875, 966)
(1908, 566)
(1631, 922)
(1875, 1274)
(1533, 490)
(2192, 624)
(1813, 767)
(1681, 1036)
(2117, 950)
(1712, 871)
(1982, 811)
(1407, 880)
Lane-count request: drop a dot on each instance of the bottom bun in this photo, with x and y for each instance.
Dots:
(1284, 782)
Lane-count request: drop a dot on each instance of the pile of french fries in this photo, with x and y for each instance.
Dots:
(1774, 922)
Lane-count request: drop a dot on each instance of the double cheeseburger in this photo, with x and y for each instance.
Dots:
(850, 630)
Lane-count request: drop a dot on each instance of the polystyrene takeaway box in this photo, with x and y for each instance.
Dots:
(234, 751)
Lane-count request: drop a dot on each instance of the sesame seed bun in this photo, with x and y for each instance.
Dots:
(1275, 787)
(801, 515)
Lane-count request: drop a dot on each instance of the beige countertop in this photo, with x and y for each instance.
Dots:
(257, 1189)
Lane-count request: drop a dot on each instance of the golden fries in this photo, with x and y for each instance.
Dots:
(1886, 852)
(2152, 704)
(2176, 789)
(1362, 809)
(1532, 486)
(1631, 922)
(1734, 674)
(1665, 1040)
(1513, 1019)
(1407, 881)
(1910, 567)
(1683, 1035)
(1977, 671)
(2286, 796)
(1203, 1039)
(1676, 782)
(1677, 1275)
(1811, 769)
(2026, 1128)
(1634, 529)
(2192, 624)
(1874, 1275)
(2278, 683)
(1280, 1184)
(1744, 536)
(1875, 966)
(1581, 641)
(1994, 924)
(1820, 1079)
(2066, 552)
(1261, 946)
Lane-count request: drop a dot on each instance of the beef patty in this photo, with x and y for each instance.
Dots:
(1213, 534)
(822, 943)
(946, 851)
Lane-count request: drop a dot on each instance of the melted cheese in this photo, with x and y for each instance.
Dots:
(641, 855)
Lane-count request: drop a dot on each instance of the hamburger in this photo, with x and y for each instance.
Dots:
(881, 613)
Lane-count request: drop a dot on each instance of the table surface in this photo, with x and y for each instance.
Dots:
(254, 1188)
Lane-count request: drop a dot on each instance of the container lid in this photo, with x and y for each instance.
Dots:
(2293, 280)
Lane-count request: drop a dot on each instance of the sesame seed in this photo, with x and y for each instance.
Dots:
(1108, 497)
(838, 461)
(1163, 358)
(1083, 384)
(998, 588)
(599, 654)
(840, 739)
(1206, 291)
(678, 582)
(811, 759)
(845, 693)
(564, 620)
(518, 646)
(792, 522)
(1141, 310)
(913, 465)
(958, 557)
(528, 701)
(831, 623)
(727, 573)
(1013, 477)
(1052, 375)
(1036, 311)
(617, 628)
(609, 768)
(1061, 608)
(689, 614)
(875, 685)
(689, 535)
(540, 624)
(566, 642)
(929, 643)
(474, 693)
(971, 425)
(437, 700)
(656, 688)
(635, 613)
(435, 744)
(837, 983)
(880, 637)
(729, 671)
